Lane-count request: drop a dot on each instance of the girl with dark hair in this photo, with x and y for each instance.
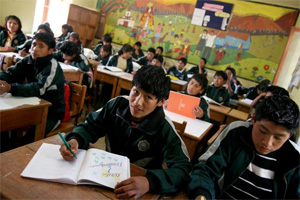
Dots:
(123, 59)
(12, 36)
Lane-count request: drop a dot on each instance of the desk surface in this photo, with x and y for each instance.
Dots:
(13, 186)
(220, 109)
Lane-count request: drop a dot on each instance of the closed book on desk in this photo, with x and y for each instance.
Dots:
(92, 167)
(182, 104)
(113, 69)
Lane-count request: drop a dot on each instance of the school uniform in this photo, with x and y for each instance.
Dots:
(26, 45)
(229, 167)
(18, 39)
(103, 61)
(63, 37)
(98, 47)
(114, 61)
(45, 79)
(182, 75)
(143, 61)
(136, 57)
(147, 144)
(203, 105)
(219, 95)
(195, 70)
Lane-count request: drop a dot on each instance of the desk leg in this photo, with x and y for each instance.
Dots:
(41, 127)
(113, 92)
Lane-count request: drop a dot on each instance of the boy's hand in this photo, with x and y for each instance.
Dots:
(64, 151)
(198, 112)
(132, 188)
(4, 87)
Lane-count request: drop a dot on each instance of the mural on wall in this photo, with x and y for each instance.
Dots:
(253, 42)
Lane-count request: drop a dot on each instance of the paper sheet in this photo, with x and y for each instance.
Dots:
(8, 101)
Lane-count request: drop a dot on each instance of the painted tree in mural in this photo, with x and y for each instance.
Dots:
(106, 7)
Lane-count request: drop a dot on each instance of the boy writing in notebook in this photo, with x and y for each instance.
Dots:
(137, 127)
(252, 160)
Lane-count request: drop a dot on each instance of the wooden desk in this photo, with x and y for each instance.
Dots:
(218, 113)
(244, 105)
(178, 85)
(235, 115)
(196, 130)
(26, 115)
(72, 73)
(13, 186)
(125, 82)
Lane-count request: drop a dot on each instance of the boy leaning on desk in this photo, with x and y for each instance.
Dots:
(136, 126)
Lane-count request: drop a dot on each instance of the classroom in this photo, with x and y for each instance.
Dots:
(222, 59)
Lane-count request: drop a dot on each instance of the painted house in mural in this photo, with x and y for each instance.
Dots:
(127, 20)
(233, 40)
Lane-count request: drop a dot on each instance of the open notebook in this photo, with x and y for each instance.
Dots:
(92, 167)
(182, 104)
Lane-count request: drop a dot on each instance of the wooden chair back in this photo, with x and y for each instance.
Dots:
(180, 127)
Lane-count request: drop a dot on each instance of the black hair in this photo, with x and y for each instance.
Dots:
(263, 85)
(75, 35)
(126, 48)
(151, 49)
(184, 60)
(69, 48)
(153, 80)
(107, 38)
(159, 58)
(14, 18)
(46, 28)
(222, 74)
(232, 71)
(201, 79)
(280, 110)
(161, 48)
(138, 44)
(204, 59)
(47, 38)
(276, 90)
(106, 48)
(68, 27)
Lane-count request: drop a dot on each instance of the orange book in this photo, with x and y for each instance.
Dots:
(182, 104)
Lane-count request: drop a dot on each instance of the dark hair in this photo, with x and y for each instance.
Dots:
(126, 48)
(47, 38)
(69, 48)
(232, 71)
(46, 28)
(159, 58)
(184, 60)
(222, 74)
(151, 49)
(68, 27)
(107, 38)
(75, 35)
(204, 59)
(201, 79)
(263, 85)
(161, 48)
(276, 90)
(138, 44)
(106, 48)
(14, 18)
(152, 80)
(278, 109)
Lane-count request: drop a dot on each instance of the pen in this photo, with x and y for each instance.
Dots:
(67, 144)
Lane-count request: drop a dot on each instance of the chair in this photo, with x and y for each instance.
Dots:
(76, 106)
(180, 127)
(212, 138)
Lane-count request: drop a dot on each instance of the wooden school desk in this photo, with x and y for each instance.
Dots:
(16, 56)
(178, 85)
(218, 113)
(195, 131)
(26, 115)
(72, 73)
(13, 186)
(244, 105)
(235, 115)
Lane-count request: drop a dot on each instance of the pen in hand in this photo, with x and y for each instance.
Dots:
(67, 144)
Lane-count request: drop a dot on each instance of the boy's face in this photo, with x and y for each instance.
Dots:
(73, 39)
(39, 49)
(136, 47)
(142, 104)
(268, 136)
(103, 53)
(201, 63)
(194, 87)
(219, 81)
(180, 65)
(150, 56)
(69, 58)
(158, 51)
(229, 74)
(156, 62)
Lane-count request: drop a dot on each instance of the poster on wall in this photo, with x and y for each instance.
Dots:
(252, 43)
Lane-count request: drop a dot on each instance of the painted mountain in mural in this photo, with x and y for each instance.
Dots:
(287, 20)
(255, 25)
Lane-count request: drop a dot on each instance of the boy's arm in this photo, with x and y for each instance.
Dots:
(14, 74)
(204, 106)
(58, 56)
(83, 65)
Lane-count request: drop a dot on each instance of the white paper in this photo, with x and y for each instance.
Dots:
(113, 69)
(211, 100)
(8, 101)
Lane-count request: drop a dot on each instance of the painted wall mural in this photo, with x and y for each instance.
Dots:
(253, 42)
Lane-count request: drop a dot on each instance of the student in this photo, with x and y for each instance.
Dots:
(74, 37)
(137, 53)
(137, 127)
(159, 51)
(104, 54)
(146, 60)
(44, 76)
(12, 36)
(107, 40)
(158, 62)
(66, 31)
(252, 161)
(123, 59)
(196, 87)
(23, 49)
(232, 84)
(70, 55)
(253, 92)
(199, 69)
(179, 70)
(216, 91)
